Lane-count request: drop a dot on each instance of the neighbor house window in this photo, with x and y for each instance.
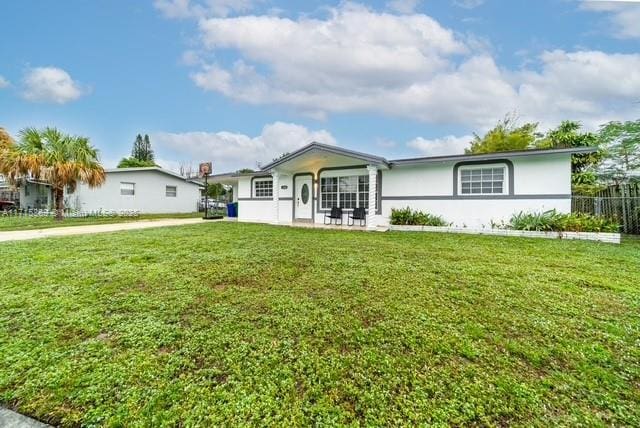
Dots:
(127, 189)
(482, 181)
(171, 191)
(263, 188)
(346, 192)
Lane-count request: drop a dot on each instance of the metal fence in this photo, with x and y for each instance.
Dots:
(620, 203)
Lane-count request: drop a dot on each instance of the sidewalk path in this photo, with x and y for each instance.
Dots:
(22, 235)
(11, 419)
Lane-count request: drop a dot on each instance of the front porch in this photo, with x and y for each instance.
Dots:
(300, 188)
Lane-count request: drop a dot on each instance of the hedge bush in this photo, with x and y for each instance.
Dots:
(554, 221)
(409, 217)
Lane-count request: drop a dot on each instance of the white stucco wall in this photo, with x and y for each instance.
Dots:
(35, 196)
(476, 213)
(420, 180)
(539, 183)
(150, 194)
(264, 210)
(542, 175)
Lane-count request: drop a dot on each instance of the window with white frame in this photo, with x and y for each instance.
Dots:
(127, 189)
(363, 191)
(482, 180)
(329, 192)
(171, 191)
(346, 192)
(263, 188)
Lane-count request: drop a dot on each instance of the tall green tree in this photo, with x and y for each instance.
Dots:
(136, 151)
(569, 134)
(141, 154)
(508, 135)
(147, 151)
(59, 159)
(622, 144)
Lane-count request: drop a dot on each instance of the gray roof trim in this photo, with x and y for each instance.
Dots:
(492, 156)
(326, 148)
(407, 161)
(151, 168)
(226, 175)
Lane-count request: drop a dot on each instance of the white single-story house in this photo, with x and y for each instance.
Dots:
(152, 190)
(466, 190)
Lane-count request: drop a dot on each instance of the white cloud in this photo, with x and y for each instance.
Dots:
(403, 6)
(182, 9)
(230, 151)
(591, 86)
(624, 16)
(449, 145)
(468, 4)
(191, 58)
(51, 84)
(3, 82)
(360, 60)
(305, 58)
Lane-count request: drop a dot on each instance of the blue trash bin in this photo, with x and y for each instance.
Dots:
(232, 210)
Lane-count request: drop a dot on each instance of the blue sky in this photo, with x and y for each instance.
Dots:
(240, 81)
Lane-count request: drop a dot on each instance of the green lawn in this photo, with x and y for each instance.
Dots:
(28, 223)
(239, 324)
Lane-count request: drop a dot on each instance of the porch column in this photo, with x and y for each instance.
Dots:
(276, 195)
(371, 209)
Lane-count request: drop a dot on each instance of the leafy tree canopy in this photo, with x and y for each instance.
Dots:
(622, 147)
(508, 135)
(135, 163)
(569, 135)
(5, 139)
(216, 190)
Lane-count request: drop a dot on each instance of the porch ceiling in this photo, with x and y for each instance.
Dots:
(314, 160)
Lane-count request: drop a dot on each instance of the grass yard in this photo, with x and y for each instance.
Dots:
(29, 223)
(239, 324)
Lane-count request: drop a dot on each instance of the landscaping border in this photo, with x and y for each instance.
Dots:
(611, 238)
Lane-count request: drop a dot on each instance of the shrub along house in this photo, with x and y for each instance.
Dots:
(466, 190)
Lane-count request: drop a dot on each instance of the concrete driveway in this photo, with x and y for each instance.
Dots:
(23, 235)
(9, 419)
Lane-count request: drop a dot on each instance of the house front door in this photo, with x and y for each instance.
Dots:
(303, 200)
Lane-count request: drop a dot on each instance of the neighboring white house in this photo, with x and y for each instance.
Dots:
(148, 190)
(31, 194)
(466, 190)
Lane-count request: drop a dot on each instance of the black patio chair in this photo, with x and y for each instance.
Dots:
(358, 214)
(335, 214)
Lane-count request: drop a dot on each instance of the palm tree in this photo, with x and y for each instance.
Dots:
(7, 154)
(59, 159)
(5, 138)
